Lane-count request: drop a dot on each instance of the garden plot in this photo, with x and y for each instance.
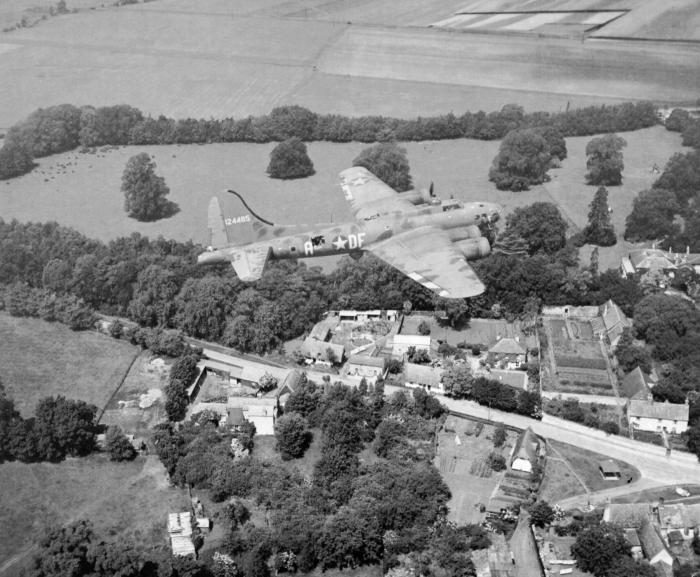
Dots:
(462, 454)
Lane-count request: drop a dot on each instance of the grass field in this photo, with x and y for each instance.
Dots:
(560, 483)
(123, 500)
(40, 359)
(90, 200)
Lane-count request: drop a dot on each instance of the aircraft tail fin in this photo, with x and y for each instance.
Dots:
(218, 235)
(242, 225)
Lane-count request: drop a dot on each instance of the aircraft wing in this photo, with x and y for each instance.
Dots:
(249, 262)
(369, 196)
(427, 256)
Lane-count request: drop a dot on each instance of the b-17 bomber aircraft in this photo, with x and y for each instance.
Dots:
(430, 242)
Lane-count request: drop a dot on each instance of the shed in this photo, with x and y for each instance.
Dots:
(610, 470)
(636, 384)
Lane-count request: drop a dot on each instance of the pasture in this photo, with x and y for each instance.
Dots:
(83, 190)
(123, 500)
(41, 359)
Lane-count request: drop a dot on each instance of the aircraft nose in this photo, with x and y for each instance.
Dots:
(208, 257)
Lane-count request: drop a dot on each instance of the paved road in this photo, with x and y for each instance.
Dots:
(651, 460)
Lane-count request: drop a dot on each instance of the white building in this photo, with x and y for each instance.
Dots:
(526, 452)
(424, 376)
(402, 343)
(646, 415)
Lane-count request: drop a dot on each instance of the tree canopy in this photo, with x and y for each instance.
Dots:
(289, 159)
(144, 191)
(522, 160)
(652, 216)
(388, 162)
(540, 224)
(598, 547)
(604, 160)
(599, 229)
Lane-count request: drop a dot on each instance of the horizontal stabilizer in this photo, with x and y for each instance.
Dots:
(218, 236)
(249, 263)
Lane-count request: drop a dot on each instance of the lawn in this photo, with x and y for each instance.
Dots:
(585, 464)
(123, 500)
(41, 359)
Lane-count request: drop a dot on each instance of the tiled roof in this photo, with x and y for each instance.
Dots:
(507, 346)
(627, 515)
(679, 516)
(423, 374)
(634, 383)
(652, 543)
(526, 446)
(366, 361)
(651, 410)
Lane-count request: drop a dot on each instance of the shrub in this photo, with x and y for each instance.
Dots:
(499, 436)
(610, 427)
(496, 461)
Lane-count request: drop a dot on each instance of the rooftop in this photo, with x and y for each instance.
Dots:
(515, 379)
(508, 346)
(627, 515)
(366, 361)
(423, 374)
(609, 467)
(635, 382)
(651, 410)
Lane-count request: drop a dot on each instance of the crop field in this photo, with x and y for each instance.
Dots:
(127, 500)
(218, 58)
(40, 359)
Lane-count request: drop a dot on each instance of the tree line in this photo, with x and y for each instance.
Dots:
(65, 127)
(668, 211)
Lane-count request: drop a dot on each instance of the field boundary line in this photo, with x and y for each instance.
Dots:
(119, 386)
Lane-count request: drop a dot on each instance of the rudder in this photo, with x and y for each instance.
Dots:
(218, 235)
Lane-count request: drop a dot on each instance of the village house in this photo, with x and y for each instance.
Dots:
(614, 321)
(526, 452)
(423, 376)
(627, 515)
(401, 344)
(655, 549)
(647, 415)
(322, 352)
(679, 520)
(636, 385)
(507, 353)
(486, 333)
(363, 366)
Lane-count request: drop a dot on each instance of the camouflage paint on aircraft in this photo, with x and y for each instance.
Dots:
(429, 243)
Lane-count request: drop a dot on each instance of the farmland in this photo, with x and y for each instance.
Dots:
(40, 359)
(123, 500)
(215, 58)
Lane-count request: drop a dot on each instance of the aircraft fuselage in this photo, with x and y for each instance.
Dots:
(290, 242)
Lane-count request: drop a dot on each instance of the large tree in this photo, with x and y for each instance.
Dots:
(64, 427)
(293, 436)
(682, 175)
(599, 229)
(597, 548)
(388, 162)
(289, 159)
(522, 160)
(15, 159)
(145, 191)
(118, 445)
(604, 160)
(652, 216)
(666, 322)
(540, 224)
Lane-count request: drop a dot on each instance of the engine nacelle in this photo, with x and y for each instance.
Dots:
(474, 248)
(415, 196)
(464, 232)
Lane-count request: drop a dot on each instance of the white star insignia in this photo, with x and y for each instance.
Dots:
(359, 181)
(340, 243)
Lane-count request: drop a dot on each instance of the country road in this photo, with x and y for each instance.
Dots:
(655, 467)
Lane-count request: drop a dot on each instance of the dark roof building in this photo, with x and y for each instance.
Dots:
(636, 385)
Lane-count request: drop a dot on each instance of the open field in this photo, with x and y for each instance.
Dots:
(40, 359)
(217, 58)
(123, 500)
(91, 202)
